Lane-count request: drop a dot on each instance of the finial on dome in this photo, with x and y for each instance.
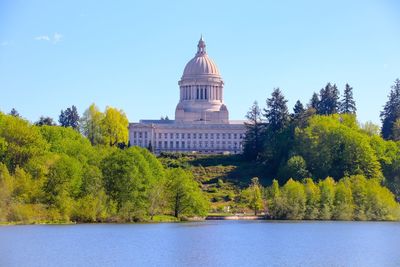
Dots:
(201, 47)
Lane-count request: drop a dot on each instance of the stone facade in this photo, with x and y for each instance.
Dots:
(201, 118)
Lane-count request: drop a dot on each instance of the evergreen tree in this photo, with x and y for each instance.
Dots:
(69, 118)
(391, 111)
(329, 100)
(276, 113)
(314, 101)
(45, 121)
(348, 105)
(298, 108)
(14, 113)
(254, 129)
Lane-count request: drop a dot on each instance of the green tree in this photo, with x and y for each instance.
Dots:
(91, 125)
(185, 196)
(115, 126)
(21, 141)
(391, 111)
(69, 118)
(253, 142)
(295, 168)
(313, 196)
(348, 105)
(314, 102)
(275, 201)
(329, 100)
(45, 121)
(343, 203)
(276, 113)
(295, 200)
(253, 196)
(327, 189)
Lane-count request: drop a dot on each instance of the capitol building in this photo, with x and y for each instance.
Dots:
(201, 122)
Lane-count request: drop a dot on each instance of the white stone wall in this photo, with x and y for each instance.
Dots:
(210, 139)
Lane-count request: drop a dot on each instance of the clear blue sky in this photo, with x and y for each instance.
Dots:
(131, 54)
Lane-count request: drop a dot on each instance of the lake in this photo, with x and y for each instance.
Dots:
(210, 243)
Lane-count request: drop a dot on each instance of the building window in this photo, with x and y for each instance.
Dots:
(212, 136)
(229, 136)
(217, 135)
(188, 135)
(183, 136)
(165, 144)
(177, 144)
(171, 135)
(177, 136)
(223, 136)
(145, 134)
(200, 135)
(206, 136)
(165, 135)
(134, 134)
(159, 144)
(140, 135)
(194, 136)
(235, 136)
(159, 136)
(183, 144)
(171, 144)
(197, 93)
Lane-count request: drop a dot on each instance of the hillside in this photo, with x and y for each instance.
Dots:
(222, 176)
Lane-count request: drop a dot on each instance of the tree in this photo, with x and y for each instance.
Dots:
(329, 100)
(115, 126)
(295, 200)
(314, 101)
(327, 189)
(348, 105)
(91, 125)
(343, 203)
(275, 201)
(45, 121)
(295, 168)
(391, 111)
(252, 196)
(313, 195)
(14, 113)
(185, 196)
(254, 130)
(276, 113)
(298, 109)
(69, 118)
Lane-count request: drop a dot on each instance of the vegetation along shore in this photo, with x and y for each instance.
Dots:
(315, 163)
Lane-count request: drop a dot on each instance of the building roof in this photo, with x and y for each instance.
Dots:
(201, 65)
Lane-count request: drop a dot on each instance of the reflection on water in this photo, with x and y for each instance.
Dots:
(211, 243)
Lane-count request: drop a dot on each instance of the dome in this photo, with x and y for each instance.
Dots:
(201, 65)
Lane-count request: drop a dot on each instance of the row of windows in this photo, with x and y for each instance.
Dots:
(183, 144)
(190, 135)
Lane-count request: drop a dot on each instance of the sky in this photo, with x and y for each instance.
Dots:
(131, 54)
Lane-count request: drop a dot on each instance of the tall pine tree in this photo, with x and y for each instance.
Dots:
(348, 105)
(391, 111)
(254, 130)
(276, 113)
(314, 101)
(329, 100)
(69, 118)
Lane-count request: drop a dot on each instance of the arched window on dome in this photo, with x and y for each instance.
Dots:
(198, 95)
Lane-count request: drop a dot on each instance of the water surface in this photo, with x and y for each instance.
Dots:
(211, 243)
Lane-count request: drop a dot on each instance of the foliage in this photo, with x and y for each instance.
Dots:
(115, 127)
(252, 196)
(353, 197)
(254, 130)
(391, 112)
(69, 118)
(348, 105)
